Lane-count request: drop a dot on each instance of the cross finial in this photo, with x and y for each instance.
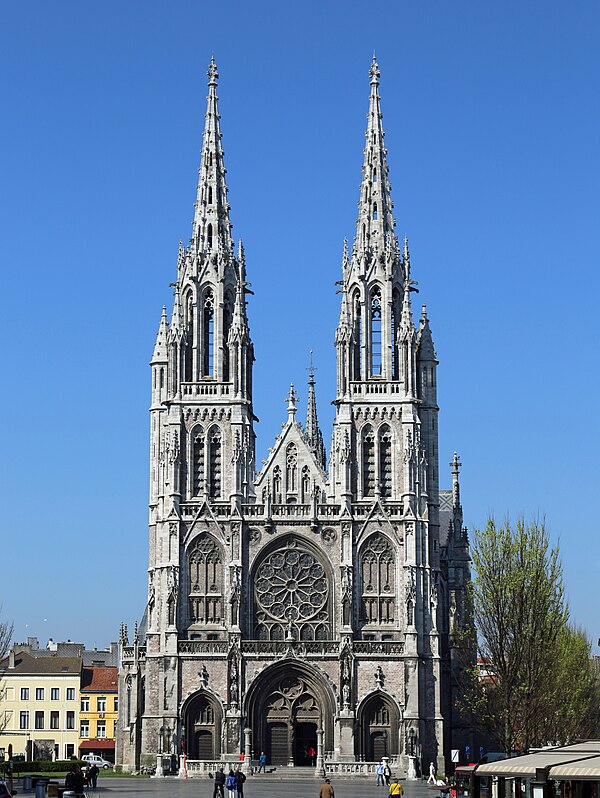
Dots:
(213, 74)
(291, 400)
(455, 464)
(311, 368)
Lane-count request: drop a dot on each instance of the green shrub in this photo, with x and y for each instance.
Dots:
(45, 766)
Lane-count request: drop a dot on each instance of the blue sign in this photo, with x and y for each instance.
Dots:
(468, 750)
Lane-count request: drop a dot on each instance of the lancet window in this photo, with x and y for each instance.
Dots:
(206, 581)
(227, 318)
(198, 462)
(291, 468)
(378, 581)
(385, 462)
(189, 344)
(357, 337)
(396, 311)
(376, 332)
(215, 462)
(277, 484)
(305, 484)
(208, 334)
(368, 462)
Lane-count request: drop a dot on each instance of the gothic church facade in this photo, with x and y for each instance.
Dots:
(310, 605)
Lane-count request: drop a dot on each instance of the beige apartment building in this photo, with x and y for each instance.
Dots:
(39, 705)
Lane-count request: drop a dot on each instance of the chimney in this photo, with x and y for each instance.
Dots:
(11, 659)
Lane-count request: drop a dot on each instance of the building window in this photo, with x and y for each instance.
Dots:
(277, 485)
(70, 719)
(208, 329)
(291, 461)
(357, 337)
(70, 694)
(55, 693)
(385, 462)
(23, 720)
(376, 333)
(378, 581)
(198, 463)
(214, 454)
(39, 719)
(54, 724)
(206, 581)
(85, 704)
(116, 706)
(69, 750)
(84, 728)
(39, 693)
(24, 693)
(368, 462)
(101, 729)
(101, 704)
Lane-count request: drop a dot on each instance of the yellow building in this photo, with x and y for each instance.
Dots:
(99, 711)
(39, 709)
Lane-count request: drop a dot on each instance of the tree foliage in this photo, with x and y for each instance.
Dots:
(534, 682)
(6, 633)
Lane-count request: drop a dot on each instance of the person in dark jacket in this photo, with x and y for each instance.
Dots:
(93, 776)
(74, 780)
(219, 791)
(240, 778)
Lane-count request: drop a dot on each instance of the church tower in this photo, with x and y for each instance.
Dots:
(295, 609)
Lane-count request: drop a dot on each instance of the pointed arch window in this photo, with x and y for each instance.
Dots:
(376, 332)
(277, 484)
(198, 462)
(210, 195)
(368, 462)
(208, 334)
(357, 337)
(227, 319)
(378, 581)
(209, 236)
(205, 570)
(291, 468)
(375, 212)
(374, 175)
(305, 484)
(189, 343)
(385, 462)
(215, 462)
(396, 307)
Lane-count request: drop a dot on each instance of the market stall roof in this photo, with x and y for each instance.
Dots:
(588, 768)
(529, 764)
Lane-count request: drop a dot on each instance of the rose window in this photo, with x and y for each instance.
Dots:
(291, 588)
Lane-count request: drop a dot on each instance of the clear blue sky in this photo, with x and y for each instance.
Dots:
(492, 122)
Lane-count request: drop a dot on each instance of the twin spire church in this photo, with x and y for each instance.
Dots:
(311, 605)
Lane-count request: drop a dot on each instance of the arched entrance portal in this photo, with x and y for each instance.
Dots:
(202, 720)
(287, 706)
(378, 720)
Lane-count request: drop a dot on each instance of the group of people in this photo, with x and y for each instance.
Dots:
(233, 782)
(384, 779)
(76, 780)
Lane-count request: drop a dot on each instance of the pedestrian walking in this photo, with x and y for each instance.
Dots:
(387, 773)
(326, 790)
(230, 783)
(219, 790)
(93, 776)
(262, 762)
(431, 779)
(396, 789)
(379, 773)
(240, 778)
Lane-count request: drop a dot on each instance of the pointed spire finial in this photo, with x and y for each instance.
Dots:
(455, 465)
(213, 73)
(313, 433)
(291, 400)
(374, 72)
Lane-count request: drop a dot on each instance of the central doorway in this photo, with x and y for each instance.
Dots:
(305, 744)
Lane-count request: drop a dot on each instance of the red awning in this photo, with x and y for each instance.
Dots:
(97, 745)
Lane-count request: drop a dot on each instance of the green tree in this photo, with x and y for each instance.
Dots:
(525, 646)
(6, 633)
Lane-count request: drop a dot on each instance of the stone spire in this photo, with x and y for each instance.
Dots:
(160, 354)
(375, 224)
(313, 433)
(211, 227)
(426, 350)
(455, 465)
